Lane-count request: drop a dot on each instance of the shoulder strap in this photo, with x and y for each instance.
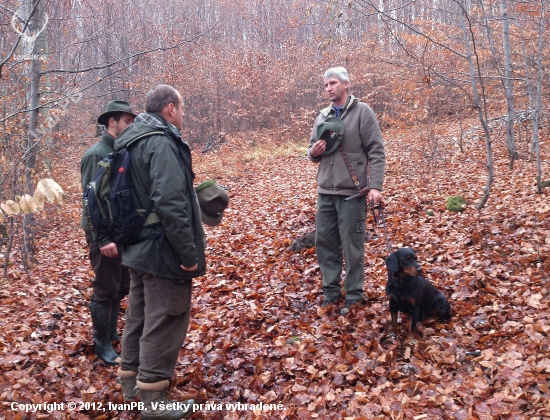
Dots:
(142, 136)
(350, 169)
(152, 217)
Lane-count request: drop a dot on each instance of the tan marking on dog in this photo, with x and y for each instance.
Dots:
(411, 271)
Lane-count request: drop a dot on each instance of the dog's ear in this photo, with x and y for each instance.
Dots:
(392, 263)
(410, 250)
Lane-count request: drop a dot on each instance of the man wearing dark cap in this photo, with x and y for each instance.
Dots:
(347, 143)
(112, 279)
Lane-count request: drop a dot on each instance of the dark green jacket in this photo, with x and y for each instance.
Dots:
(161, 172)
(88, 167)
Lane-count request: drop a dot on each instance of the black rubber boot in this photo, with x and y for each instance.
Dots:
(115, 307)
(101, 321)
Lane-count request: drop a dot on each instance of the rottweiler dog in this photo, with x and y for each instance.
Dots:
(411, 293)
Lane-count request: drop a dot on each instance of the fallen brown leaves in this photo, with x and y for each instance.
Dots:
(257, 333)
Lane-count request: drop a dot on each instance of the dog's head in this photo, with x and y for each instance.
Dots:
(442, 308)
(403, 262)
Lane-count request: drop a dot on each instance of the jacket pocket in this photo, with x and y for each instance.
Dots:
(342, 177)
(178, 296)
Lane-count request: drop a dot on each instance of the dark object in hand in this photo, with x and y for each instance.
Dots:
(411, 293)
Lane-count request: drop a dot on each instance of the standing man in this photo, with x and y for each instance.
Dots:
(162, 268)
(112, 280)
(345, 130)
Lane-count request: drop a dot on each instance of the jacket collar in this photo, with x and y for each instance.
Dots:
(108, 139)
(156, 120)
(329, 111)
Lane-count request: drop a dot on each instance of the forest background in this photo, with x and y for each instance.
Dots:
(460, 91)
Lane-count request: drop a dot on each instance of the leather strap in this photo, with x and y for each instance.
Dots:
(350, 169)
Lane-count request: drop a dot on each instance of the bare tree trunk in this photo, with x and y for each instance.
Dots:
(527, 62)
(508, 84)
(467, 30)
(33, 50)
(535, 146)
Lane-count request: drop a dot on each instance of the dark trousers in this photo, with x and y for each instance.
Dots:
(112, 279)
(341, 234)
(157, 319)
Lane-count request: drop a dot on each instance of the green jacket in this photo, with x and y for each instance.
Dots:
(161, 172)
(364, 148)
(88, 167)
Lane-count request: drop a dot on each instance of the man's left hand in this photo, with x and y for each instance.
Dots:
(110, 250)
(375, 195)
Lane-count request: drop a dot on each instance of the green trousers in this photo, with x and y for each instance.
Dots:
(341, 233)
(112, 280)
(157, 319)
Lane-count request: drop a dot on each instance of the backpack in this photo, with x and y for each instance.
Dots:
(108, 200)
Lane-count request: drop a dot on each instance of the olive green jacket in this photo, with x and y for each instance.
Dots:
(161, 172)
(362, 142)
(88, 167)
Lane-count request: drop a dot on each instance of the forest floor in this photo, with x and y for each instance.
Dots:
(258, 335)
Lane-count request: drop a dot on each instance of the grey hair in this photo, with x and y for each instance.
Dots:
(339, 72)
(160, 96)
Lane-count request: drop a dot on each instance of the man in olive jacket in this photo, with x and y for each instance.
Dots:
(112, 280)
(340, 225)
(161, 267)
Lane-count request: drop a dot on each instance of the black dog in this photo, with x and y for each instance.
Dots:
(411, 293)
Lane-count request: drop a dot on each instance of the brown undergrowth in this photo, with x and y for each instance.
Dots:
(257, 334)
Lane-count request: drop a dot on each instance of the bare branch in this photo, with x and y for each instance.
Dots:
(389, 16)
(128, 57)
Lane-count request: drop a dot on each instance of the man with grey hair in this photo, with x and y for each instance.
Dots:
(162, 265)
(347, 143)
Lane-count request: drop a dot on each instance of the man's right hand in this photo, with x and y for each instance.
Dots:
(110, 250)
(193, 268)
(318, 148)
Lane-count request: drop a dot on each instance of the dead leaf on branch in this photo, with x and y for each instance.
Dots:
(10, 207)
(48, 189)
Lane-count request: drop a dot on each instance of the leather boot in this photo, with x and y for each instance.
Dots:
(101, 321)
(115, 307)
(158, 406)
(127, 379)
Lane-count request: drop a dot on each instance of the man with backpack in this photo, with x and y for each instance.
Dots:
(162, 265)
(112, 280)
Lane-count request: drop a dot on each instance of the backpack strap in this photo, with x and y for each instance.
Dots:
(142, 136)
(152, 217)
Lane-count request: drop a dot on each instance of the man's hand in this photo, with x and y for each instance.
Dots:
(318, 148)
(375, 195)
(193, 268)
(110, 250)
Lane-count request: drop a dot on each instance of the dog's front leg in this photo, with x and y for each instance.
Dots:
(394, 309)
(415, 317)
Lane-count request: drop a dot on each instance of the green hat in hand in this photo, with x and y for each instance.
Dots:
(331, 130)
(213, 200)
